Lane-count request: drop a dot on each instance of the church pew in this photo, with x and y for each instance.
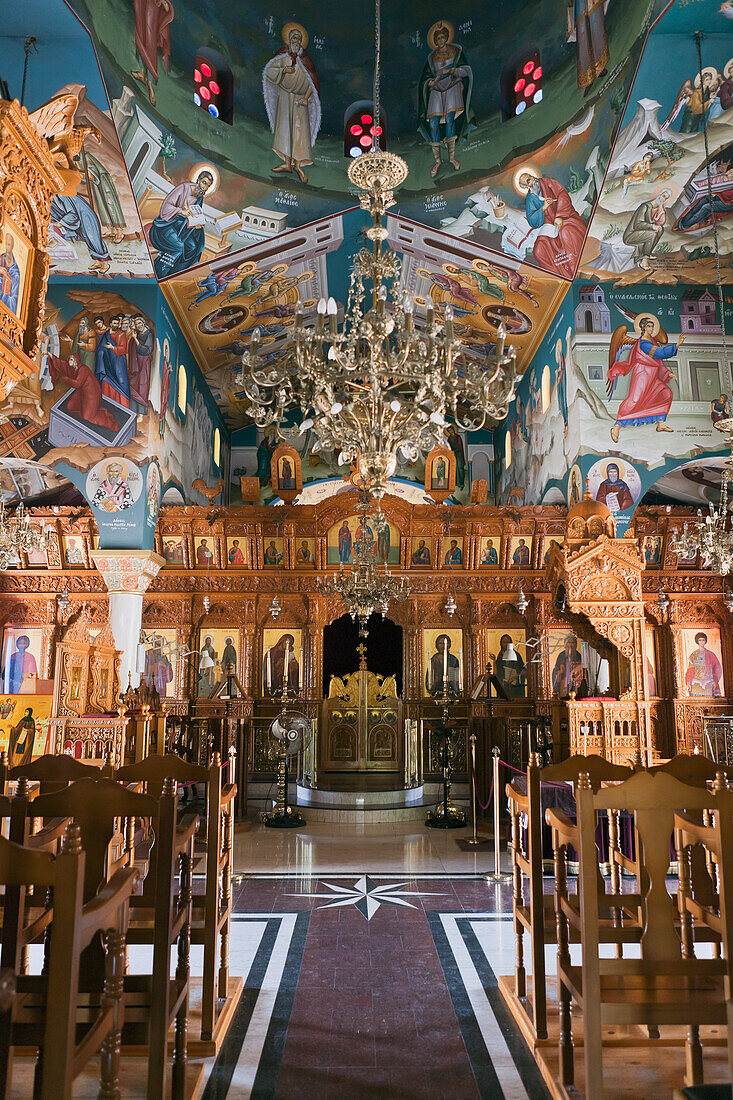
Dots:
(159, 914)
(211, 911)
(48, 1010)
(666, 985)
(534, 910)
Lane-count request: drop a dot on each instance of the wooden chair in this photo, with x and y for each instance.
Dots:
(54, 772)
(534, 910)
(158, 915)
(48, 1011)
(664, 986)
(714, 913)
(211, 911)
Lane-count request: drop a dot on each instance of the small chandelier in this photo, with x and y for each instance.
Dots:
(712, 536)
(365, 588)
(17, 535)
(450, 606)
(275, 608)
(380, 387)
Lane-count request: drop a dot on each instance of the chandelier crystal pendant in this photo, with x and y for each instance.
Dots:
(383, 385)
(712, 535)
(17, 535)
(365, 588)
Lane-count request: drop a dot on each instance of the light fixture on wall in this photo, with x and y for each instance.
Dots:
(62, 601)
(663, 601)
(381, 387)
(275, 608)
(521, 602)
(729, 600)
(17, 536)
(450, 606)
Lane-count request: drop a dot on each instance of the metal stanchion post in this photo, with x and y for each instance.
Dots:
(475, 839)
(497, 876)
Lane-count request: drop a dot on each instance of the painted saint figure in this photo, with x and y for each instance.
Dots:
(113, 494)
(613, 490)
(204, 557)
(521, 554)
(489, 555)
(9, 276)
(77, 221)
(105, 200)
(304, 554)
(444, 95)
(568, 674)
(21, 663)
(650, 397)
(444, 667)
(456, 445)
(344, 543)
(140, 346)
(704, 673)
(509, 666)
(548, 203)
(454, 554)
(85, 402)
(275, 659)
(153, 20)
(236, 557)
(421, 554)
(177, 232)
(21, 738)
(158, 671)
(586, 24)
(292, 99)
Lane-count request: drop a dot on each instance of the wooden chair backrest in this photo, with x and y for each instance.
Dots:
(54, 772)
(96, 805)
(653, 799)
(595, 767)
(689, 768)
(155, 769)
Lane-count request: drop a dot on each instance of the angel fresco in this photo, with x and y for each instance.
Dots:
(292, 99)
(649, 398)
(444, 95)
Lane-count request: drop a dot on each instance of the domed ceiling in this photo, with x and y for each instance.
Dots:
(273, 229)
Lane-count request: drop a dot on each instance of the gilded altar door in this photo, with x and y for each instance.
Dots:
(361, 727)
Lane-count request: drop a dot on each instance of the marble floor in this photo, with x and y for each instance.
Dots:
(369, 971)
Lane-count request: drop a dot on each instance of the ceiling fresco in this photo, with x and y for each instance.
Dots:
(654, 216)
(521, 185)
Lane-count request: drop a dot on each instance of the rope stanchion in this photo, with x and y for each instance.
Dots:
(497, 875)
(475, 800)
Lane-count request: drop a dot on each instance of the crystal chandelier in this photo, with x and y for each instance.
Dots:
(17, 535)
(381, 386)
(365, 588)
(711, 536)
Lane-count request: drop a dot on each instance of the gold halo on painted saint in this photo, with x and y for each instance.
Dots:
(441, 25)
(120, 462)
(518, 175)
(288, 27)
(710, 71)
(728, 70)
(213, 172)
(646, 317)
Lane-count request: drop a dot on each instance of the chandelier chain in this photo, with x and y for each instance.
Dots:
(377, 71)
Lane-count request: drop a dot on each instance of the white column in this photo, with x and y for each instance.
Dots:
(127, 574)
(125, 617)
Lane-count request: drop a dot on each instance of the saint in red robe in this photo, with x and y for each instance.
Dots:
(560, 253)
(86, 401)
(153, 20)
